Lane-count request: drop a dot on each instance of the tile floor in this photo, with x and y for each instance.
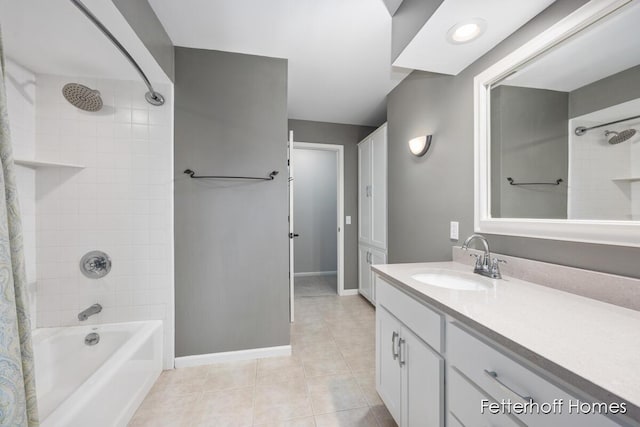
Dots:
(327, 382)
(316, 286)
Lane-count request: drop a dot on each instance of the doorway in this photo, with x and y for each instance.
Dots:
(316, 193)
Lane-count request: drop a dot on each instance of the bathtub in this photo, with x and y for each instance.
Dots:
(99, 385)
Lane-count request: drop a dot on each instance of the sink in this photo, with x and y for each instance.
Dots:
(453, 280)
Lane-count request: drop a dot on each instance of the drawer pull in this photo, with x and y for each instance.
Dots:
(494, 376)
(400, 352)
(393, 345)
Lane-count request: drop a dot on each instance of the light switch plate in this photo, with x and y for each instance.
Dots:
(453, 230)
(348, 220)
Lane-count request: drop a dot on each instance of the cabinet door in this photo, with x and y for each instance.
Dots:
(377, 257)
(364, 192)
(365, 283)
(422, 383)
(379, 188)
(388, 370)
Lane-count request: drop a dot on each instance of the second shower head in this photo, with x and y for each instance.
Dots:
(619, 137)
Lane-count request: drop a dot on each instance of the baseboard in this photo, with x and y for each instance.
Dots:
(231, 356)
(349, 292)
(315, 273)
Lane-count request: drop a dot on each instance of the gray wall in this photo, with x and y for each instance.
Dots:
(315, 207)
(348, 136)
(529, 143)
(407, 21)
(147, 26)
(616, 89)
(231, 237)
(426, 193)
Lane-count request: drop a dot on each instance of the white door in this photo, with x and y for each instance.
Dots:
(364, 191)
(388, 370)
(422, 383)
(378, 188)
(364, 272)
(291, 232)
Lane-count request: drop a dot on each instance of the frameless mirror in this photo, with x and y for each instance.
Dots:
(558, 131)
(565, 128)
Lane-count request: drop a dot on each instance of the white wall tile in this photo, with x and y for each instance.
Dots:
(594, 163)
(110, 205)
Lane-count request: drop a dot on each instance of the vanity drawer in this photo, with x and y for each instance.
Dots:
(510, 380)
(423, 321)
(464, 403)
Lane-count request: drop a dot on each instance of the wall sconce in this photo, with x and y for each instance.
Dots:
(420, 145)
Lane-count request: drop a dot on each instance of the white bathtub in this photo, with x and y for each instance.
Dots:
(100, 385)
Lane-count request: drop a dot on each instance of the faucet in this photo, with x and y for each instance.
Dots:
(485, 265)
(94, 309)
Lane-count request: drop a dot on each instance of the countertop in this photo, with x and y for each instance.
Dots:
(592, 345)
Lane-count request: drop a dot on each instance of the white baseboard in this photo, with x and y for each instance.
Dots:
(348, 292)
(230, 356)
(315, 273)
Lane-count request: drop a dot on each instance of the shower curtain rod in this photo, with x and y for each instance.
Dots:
(581, 130)
(152, 97)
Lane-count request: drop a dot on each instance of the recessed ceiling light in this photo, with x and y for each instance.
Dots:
(466, 31)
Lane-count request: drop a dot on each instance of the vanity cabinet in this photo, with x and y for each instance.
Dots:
(409, 373)
(417, 346)
(372, 208)
(493, 373)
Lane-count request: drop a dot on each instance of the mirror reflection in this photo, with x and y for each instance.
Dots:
(565, 128)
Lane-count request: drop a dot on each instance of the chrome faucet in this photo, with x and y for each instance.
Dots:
(94, 309)
(485, 264)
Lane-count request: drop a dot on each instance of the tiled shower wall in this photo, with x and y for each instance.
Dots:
(119, 202)
(595, 167)
(21, 100)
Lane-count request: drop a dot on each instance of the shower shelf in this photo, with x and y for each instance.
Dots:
(628, 179)
(36, 164)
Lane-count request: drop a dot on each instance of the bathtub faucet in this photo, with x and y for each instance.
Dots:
(94, 309)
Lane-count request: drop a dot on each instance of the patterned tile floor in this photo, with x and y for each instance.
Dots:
(328, 381)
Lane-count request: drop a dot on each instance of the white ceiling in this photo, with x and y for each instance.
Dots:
(431, 51)
(606, 48)
(53, 37)
(338, 50)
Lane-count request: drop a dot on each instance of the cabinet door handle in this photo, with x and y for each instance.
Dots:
(494, 376)
(393, 345)
(401, 360)
(368, 257)
(368, 191)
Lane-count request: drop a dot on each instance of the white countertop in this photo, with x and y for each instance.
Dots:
(597, 341)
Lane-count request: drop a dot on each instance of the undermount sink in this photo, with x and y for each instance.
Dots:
(453, 280)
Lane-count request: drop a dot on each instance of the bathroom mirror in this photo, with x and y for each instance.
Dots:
(558, 131)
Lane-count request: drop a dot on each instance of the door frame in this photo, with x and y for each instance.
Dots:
(339, 151)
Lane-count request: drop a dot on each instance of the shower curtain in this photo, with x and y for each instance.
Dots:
(18, 406)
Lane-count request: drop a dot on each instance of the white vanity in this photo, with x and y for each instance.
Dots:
(443, 353)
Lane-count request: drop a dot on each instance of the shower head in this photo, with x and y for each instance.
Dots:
(619, 137)
(82, 97)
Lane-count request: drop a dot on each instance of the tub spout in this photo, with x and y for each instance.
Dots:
(94, 309)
